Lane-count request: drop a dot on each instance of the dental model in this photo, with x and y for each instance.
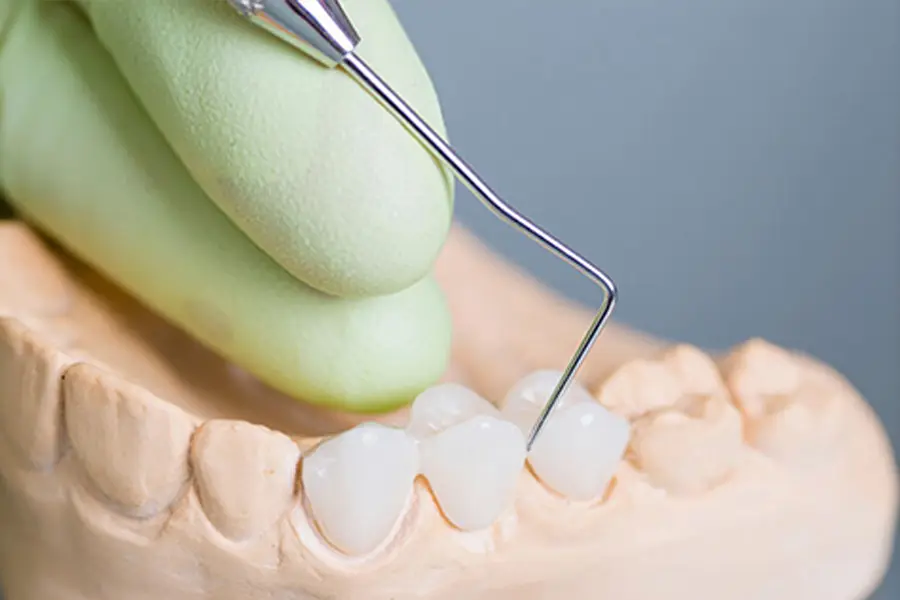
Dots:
(136, 465)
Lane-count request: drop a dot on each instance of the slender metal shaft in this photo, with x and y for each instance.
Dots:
(354, 65)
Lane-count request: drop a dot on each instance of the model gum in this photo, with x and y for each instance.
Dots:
(135, 464)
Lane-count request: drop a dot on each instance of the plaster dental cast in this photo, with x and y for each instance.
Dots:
(245, 354)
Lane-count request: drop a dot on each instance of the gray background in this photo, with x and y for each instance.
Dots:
(734, 165)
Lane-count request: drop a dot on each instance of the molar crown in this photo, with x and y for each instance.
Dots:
(580, 448)
(471, 458)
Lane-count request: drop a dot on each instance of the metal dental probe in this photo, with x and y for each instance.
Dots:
(322, 30)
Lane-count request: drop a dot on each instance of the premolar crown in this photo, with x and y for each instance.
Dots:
(582, 444)
(358, 485)
(470, 456)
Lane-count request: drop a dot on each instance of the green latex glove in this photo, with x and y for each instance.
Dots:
(267, 205)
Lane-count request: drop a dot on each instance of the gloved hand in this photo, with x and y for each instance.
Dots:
(266, 205)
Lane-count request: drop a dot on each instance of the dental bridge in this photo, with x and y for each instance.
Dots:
(322, 30)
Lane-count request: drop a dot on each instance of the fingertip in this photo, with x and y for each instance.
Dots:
(368, 360)
(371, 235)
(300, 158)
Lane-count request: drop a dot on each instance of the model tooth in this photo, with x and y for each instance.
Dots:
(777, 434)
(359, 483)
(760, 376)
(132, 445)
(689, 451)
(696, 371)
(640, 387)
(581, 445)
(792, 403)
(245, 476)
(30, 375)
(471, 458)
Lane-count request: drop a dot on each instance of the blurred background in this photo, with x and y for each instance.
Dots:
(735, 166)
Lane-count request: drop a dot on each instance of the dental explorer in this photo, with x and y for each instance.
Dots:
(322, 30)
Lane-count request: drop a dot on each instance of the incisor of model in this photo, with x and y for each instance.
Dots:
(231, 370)
(137, 465)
